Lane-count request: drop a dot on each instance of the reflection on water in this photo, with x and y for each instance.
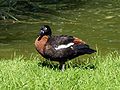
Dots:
(98, 26)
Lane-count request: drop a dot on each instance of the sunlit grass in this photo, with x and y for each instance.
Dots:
(20, 73)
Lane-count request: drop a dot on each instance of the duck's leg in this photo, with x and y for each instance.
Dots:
(62, 66)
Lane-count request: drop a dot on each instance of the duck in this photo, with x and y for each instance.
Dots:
(60, 48)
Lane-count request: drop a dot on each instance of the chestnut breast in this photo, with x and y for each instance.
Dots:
(40, 43)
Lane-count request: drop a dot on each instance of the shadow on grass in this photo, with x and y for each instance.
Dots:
(49, 64)
(56, 66)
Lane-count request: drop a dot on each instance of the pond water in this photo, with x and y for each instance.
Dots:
(97, 24)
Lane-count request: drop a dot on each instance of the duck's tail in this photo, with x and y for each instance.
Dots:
(89, 51)
(84, 49)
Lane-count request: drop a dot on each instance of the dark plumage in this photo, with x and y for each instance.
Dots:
(60, 48)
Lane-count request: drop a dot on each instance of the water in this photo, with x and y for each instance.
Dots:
(97, 24)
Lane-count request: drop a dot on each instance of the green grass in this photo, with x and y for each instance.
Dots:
(22, 74)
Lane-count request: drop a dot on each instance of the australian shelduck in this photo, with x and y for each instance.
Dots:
(60, 48)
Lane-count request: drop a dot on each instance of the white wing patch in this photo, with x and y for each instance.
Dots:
(64, 46)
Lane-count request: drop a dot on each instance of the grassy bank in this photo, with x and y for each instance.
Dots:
(22, 74)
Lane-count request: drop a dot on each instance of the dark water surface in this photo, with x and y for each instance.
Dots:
(98, 25)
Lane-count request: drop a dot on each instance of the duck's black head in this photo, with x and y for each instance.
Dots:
(45, 30)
